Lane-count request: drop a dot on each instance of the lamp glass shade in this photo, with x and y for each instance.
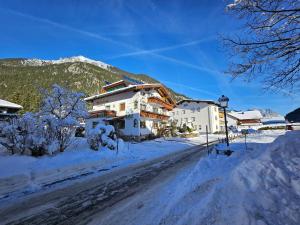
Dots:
(223, 100)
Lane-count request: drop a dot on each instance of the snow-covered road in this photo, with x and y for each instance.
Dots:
(30, 174)
(76, 203)
(255, 186)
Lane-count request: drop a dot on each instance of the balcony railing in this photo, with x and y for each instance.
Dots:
(161, 102)
(249, 121)
(153, 115)
(102, 113)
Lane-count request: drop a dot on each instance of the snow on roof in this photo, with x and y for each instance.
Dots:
(130, 86)
(39, 62)
(246, 115)
(273, 118)
(111, 84)
(109, 93)
(197, 101)
(7, 104)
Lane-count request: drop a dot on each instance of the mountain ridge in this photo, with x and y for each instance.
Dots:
(21, 78)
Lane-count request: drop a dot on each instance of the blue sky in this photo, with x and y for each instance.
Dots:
(174, 41)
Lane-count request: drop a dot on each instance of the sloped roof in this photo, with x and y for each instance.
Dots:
(157, 86)
(7, 104)
(197, 101)
(246, 115)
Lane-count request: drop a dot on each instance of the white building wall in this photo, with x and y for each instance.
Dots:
(231, 121)
(131, 113)
(199, 115)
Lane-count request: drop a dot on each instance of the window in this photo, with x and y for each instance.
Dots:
(143, 107)
(193, 119)
(107, 107)
(135, 123)
(216, 118)
(136, 104)
(183, 111)
(186, 120)
(121, 124)
(195, 127)
(155, 110)
(200, 127)
(122, 106)
(94, 124)
(143, 124)
(217, 127)
(173, 113)
(155, 125)
(198, 109)
(215, 109)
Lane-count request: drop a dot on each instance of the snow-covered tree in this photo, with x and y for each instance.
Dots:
(49, 130)
(22, 134)
(61, 110)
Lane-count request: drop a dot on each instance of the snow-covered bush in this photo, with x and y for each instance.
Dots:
(94, 139)
(102, 135)
(61, 110)
(22, 134)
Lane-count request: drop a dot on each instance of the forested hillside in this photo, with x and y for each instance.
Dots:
(21, 82)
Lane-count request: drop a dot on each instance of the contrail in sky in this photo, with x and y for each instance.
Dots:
(135, 49)
(156, 50)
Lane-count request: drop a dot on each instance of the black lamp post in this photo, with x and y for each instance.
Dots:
(223, 100)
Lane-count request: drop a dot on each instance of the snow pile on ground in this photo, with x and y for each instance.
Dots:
(260, 186)
(20, 173)
(39, 62)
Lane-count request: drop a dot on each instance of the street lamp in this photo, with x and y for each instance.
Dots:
(223, 101)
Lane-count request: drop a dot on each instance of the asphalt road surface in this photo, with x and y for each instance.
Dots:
(101, 200)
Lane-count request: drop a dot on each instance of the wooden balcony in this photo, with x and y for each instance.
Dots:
(102, 114)
(221, 115)
(161, 102)
(249, 121)
(153, 115)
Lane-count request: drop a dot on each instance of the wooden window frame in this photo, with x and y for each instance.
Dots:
(122, 106)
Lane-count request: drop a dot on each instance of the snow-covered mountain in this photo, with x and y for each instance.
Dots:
(40, 62)
(21, 78)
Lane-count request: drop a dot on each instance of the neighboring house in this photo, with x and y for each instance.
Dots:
(135, 110)
(245, 119)
(8, 110)
(232, 121)
(273, 121)
(197, 114)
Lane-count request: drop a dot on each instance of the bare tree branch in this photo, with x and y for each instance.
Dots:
(269, 46)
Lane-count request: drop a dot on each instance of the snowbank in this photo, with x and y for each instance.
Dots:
(260, 185)
(22, 174)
